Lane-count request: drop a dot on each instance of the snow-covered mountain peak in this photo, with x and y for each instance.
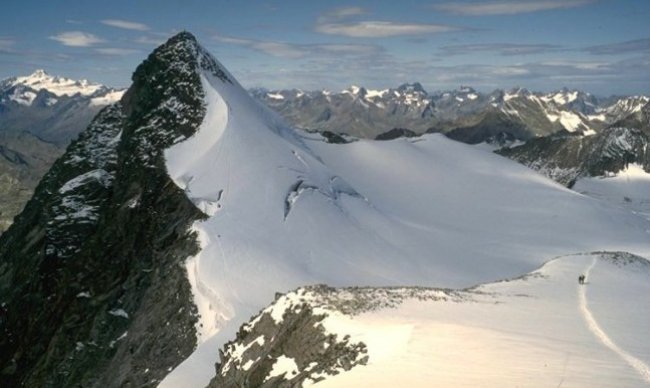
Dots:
(414, 87)
(59, 86)
(285, 208)
(188, 169)
(353, 89)
(24, 90)
(561, 97)
(627, 105)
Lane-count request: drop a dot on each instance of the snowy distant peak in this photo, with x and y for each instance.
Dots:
(575, 100)
(627, 105)
(353, 89)
(363, 112)
(415, 87)
(356, 91)
(24, 90)
(58, 86)
(515, 92)
(360, 91)
(561, 97)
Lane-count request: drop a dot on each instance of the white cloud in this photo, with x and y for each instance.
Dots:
(506, 49)
(295, 51)
(125, 24)
(115, 51)
(508, 7)
(636, 46)
(6, 43)
(76, 38)
(337, 22)
(342, 13)
(380, 29)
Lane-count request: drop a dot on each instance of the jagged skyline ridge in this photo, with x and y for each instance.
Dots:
(601, 47)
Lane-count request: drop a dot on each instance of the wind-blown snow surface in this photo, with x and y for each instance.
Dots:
(287, 209)
(542, 330)
(629, 188)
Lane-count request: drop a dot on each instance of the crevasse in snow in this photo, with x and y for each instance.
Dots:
(287, 209)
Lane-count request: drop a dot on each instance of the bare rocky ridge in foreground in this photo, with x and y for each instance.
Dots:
(289, 343)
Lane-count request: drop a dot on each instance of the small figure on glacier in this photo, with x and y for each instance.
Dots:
(581, 279)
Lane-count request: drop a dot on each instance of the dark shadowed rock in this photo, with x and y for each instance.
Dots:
(395, 133)
(92, 286)
(568, 157)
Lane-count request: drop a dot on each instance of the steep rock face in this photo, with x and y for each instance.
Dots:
(639, 119)
(495, 126)
(565, 157)
(39, 116)
(86, 264)
(24, 159)
(621, 108)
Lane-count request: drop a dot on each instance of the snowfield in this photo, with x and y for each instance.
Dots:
(287, 209)
(541, 330)
(629, 189)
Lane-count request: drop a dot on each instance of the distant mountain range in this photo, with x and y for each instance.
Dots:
(39, 115)
(53, 108)
(566, 135)
(162, 247)
(464, 114)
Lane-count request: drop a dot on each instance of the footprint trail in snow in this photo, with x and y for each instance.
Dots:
(641, 367)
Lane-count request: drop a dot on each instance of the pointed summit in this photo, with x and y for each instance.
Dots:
(110, 188)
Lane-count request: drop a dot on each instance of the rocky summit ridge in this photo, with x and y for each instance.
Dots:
(85, 265)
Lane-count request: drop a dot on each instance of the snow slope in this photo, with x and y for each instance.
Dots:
(591, 335)
(629, 188)
(287, 209)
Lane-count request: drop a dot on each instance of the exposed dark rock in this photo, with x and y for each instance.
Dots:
(299, 336)
(494, 126)
(84, 268)
(395, 133)
(568, 157)
(334, 138)
(638, 120)
(293, 331)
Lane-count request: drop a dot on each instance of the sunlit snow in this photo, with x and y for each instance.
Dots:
(295, 210)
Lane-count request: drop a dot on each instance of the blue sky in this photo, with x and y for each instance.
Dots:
(602, 46)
